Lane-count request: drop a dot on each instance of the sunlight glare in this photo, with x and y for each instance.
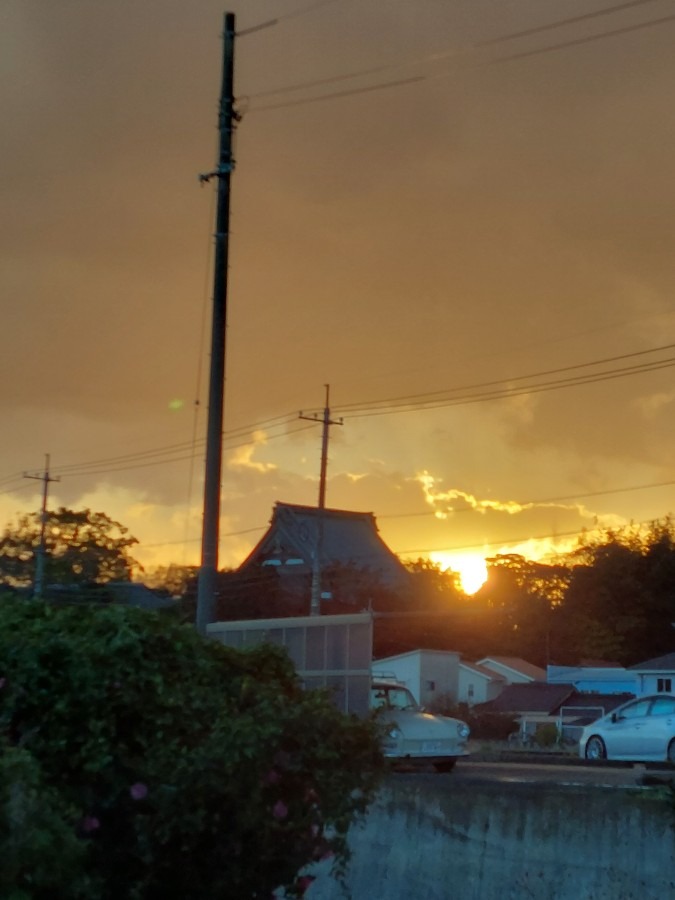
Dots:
(470, 567)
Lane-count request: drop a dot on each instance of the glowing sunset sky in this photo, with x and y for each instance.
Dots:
(497, 213)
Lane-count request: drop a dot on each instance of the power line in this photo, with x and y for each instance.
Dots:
(270, 23)
(446, 54)
(474, 393)
(484, 384)
(496, 61)
(577, 42)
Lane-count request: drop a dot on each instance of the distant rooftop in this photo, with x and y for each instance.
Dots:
(349, 538)
(658, 664)
(518, 665)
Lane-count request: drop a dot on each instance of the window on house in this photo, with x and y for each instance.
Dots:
(664, 685)
(430, 685)
(469, 692)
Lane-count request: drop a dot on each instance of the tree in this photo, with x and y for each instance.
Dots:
(522, 600)
(157, 764)
(82, 547)
(620, 603)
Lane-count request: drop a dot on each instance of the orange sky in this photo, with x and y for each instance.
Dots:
(491, 220)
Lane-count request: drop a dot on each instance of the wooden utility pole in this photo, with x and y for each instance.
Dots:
(45, 478)
(206, 587)
(315, 602)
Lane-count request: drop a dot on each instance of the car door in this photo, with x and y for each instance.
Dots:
(659, 730)
(624, 733)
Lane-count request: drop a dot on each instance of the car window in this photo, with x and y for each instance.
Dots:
(392, 698)
(663, 706)
(640, 708)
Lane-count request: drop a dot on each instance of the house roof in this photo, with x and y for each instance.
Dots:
(420, 652)
(133, 593)
(658, 664)
(481, 670)
(517, 665)
(348, 538)
(533, 697)
(590, 699)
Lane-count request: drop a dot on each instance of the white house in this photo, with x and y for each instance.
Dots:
(513, 669)
(595, 679)
(478, 684)
(430, 675)
(656, 676)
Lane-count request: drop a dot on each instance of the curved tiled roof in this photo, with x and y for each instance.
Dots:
(349, 538)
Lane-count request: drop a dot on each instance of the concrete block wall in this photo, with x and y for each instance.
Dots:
(431, 838)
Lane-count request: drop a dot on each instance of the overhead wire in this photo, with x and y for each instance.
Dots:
(346, 407)
(446, 54)
(293, 14)
(470, 65)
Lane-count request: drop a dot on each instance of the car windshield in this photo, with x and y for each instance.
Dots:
(634, 710)
(383, 696)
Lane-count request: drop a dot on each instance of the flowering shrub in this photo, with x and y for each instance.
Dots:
(151, 763)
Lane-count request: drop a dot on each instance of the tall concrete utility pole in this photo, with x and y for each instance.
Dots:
(315, 602)
(206, 586)
(45, 478)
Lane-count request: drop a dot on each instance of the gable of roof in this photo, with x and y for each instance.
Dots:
(521, 666)
(658, 664)
(348, 538)
(420, 653)
(476, 669)
(532, 697)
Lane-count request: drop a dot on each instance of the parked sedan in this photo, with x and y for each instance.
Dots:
(642, 730)
(414, 736)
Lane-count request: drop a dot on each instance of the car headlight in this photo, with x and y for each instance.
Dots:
(395, 734)
(463, 730)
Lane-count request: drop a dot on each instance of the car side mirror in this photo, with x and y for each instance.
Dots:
(614, 717)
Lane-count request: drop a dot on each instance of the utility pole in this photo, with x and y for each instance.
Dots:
(45, 478)
(315, 603)
(206, 586)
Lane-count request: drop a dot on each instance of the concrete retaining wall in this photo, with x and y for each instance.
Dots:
(433, 838)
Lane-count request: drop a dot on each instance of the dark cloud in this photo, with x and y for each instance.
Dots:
(490, 221)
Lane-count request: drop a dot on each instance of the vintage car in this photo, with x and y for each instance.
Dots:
(412, 735)
(642, 730)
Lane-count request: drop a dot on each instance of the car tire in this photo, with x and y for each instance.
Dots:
(595, 748)
(670, 755)
(447, 765)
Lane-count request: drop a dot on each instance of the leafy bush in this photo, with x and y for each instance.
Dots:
(546, 735)
(155, 764)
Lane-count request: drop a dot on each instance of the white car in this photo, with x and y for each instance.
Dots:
(642, 730)
(414, 736)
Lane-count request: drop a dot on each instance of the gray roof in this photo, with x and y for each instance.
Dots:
(349, 538)
(132, 593)
(531, 697)
(658, 664)
(521, 666)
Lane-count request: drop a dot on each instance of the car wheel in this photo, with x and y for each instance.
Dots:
(671, 752)
(447, 765)
(595, 748)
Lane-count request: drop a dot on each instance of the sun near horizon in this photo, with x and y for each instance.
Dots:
(471, 568)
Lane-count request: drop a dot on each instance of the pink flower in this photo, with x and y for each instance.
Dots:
(138, 791)
(280, 810)
(90, 823)
(272, 777)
